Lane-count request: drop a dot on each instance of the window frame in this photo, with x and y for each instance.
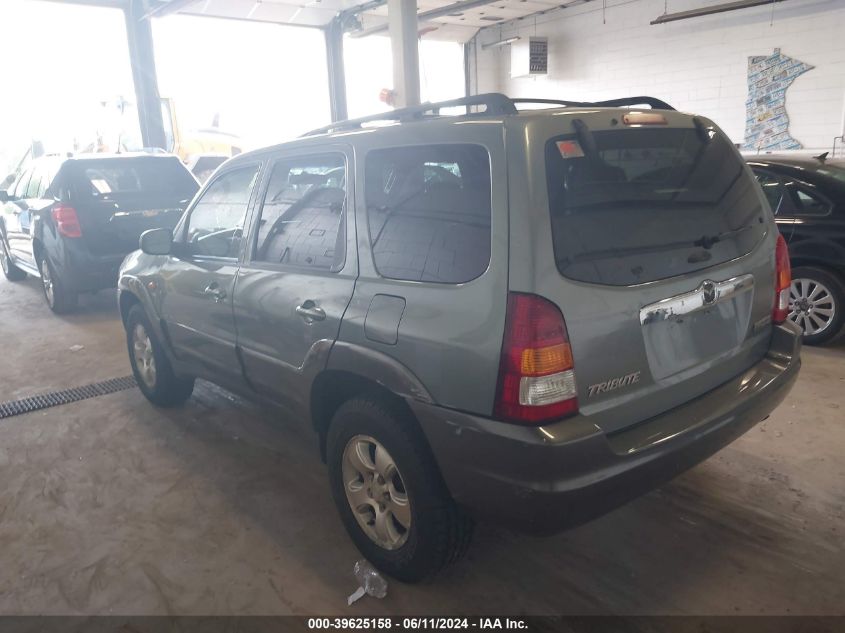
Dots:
(251, 243)
(20, 189)
(366, 215)
(180, 232)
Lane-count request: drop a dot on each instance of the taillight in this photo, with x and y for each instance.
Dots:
(783, 281)
(536, 372)
(67, 221)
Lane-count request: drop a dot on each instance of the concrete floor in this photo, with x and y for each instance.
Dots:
(111, 506)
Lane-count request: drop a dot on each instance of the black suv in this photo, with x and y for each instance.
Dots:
(72, 220)
(807, 194)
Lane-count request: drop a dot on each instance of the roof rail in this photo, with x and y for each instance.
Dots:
(496, 104)
(652, 102)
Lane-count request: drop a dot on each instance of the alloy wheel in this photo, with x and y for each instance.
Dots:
(47, 282)
(145, 362)
(376, 492)
(811, 305)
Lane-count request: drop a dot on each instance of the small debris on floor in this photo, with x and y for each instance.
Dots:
(370, 582)
(76, 348)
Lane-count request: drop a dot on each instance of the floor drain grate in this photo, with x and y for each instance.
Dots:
(66, 396)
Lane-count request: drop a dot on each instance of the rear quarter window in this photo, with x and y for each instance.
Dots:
(632, 206)
(428, 210)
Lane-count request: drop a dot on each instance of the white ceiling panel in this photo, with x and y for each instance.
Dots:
(459, 25)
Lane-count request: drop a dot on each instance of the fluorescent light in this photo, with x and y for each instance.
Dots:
(504, 42)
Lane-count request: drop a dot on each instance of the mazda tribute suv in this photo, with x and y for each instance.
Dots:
(528, 316)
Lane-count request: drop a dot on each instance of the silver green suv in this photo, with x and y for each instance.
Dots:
(525, 315)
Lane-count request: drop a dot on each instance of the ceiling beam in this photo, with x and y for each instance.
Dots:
(106, 4)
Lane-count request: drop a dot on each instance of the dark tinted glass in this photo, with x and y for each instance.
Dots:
(302, 213)
(648, 204)
(809, 203)
(428, 209)
(772, 188)
(108, 178)
(215, 226)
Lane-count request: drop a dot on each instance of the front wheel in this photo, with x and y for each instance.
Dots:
(10, 271)
(816, 303)
(389, 492)
(150, 366)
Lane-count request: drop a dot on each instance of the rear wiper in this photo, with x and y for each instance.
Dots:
(707, 241)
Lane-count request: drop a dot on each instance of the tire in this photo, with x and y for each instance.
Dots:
(437, 533)
(58, 296)
(150, 365)
(10, 271)
(817, 303)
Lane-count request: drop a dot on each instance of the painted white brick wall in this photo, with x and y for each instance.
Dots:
(697, 65)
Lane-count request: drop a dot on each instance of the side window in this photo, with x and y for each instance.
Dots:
(23, 182)
(772, 187)
(301, 219)
(808, 203)
(428, 209)
(33, 189)
(215, 226)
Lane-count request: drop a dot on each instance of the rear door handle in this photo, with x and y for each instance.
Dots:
(215, 291)
(310, 312)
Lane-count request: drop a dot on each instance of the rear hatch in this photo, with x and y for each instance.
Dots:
(118, 198)
(663, 251)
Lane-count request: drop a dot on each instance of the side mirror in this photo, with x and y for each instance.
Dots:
(156, 241)
(4, 196)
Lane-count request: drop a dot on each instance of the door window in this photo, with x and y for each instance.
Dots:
(215, 226)
(772, 188)
(34, 188)
(809, 203)
(428, 209)
(21, 186)
(301, 219)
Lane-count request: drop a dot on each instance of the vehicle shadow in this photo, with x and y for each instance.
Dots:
(707, 529)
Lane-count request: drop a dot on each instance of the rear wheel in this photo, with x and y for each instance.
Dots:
(58, 296)
(150, 366)
(816, 303)
(389, 492)
(10, 271)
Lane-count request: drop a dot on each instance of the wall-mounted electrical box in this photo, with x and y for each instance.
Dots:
(530, 57)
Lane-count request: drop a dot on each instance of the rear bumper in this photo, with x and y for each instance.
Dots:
(545, 479)
(84, 272)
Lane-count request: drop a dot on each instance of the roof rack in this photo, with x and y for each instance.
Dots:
(652, 102)
(496, 104)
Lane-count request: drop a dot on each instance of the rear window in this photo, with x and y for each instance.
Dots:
(636, 205)
(428, 208)
(119, 177)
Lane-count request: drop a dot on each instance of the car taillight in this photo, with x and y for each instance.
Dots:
(783, 281)
(536, 372)
(67, 221)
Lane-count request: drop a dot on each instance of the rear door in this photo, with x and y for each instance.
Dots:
(662, 249)
(119, 198)
(775, 190)
(200, 277)
(16, 217)
(299, 272)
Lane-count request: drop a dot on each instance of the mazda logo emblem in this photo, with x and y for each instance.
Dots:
(708, 289)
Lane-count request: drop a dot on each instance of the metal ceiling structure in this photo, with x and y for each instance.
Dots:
(455, 20)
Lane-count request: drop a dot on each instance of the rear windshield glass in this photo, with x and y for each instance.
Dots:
(116, 177)
(636, 205)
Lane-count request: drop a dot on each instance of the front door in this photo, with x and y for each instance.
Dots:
(200, 276)
(298, 274)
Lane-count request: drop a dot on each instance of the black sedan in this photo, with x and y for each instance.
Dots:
(807, 194)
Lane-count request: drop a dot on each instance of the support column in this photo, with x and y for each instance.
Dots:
(337, 72)
(142, 58)
(402, 23)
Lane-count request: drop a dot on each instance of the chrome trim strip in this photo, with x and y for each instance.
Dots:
(708, 294)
